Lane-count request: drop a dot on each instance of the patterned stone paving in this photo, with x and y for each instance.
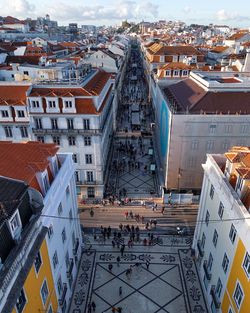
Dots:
(170, 284)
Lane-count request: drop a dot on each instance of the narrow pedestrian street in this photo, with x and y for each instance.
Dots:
(133, 172)
(134, 259)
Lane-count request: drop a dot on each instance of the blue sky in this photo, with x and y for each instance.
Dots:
(99, 12)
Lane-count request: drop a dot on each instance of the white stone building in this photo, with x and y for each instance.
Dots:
(78, 118)
(206, 113)
(221, 244)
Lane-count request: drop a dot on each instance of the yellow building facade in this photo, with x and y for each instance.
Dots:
(38, 289)
(237, 294)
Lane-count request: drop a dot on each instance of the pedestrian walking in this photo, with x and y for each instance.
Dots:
(120, 290)
(110, 266)
(93, 306)
(119, 309)
(118, 260)
(113, 310)
(89, 308)
(113, 243)
(147, 264)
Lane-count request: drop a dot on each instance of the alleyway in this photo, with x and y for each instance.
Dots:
(133, 173)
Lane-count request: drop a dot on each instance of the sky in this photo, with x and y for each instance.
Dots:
(112, 12)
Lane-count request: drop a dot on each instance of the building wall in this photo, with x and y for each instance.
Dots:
(237, 274)
(33, 285)
(63, 191)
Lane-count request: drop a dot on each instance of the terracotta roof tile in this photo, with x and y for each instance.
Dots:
(23, 160)
(13, 94)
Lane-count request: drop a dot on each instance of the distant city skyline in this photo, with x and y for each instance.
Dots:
(111, 12)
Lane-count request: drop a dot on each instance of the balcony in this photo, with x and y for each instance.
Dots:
(200, 248)
(206, 270)
(63, 296)
(214, 297)
(89, 182)
(76, 246)
(70, 268)
(66, 131)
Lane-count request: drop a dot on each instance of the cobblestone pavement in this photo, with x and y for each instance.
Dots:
(133, 172)
(170, 284)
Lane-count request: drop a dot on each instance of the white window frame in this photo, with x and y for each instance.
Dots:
(238, 286)
(232, 233)
(221, 210)
(26, 301)
(215, 237)
(41, 292)
(245, 266)
(225, 263)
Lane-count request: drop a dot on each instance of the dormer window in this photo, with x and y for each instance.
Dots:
(176, 73)
(20, 113)
(14, 223)
(52, 104)
(184, 73)
(162, 58)
(5, 113)
(35, 104)
(46, 183)
(239, 183)
(168, 73)
(68, 104)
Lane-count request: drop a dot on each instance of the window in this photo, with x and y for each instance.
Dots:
(238, 295)
(225, 145)
(38, 123)
(52, 104)
(21, 301)
(25, 72)
(88, 158)
(54, 124)
(70, 215)
(221, 210)
(63, 235)
(50, 310)
(86, 124)
(239, 183)
(60, 209)
(38, 262)
(40, 138)
(73, 238)
(211, 192)
(5, 113)
(91, 192)
(230, 310)
(191, 162)
(46, 183)
(176, 73)
(55, 259)
(209, 145)
(20, 113)
(246, 264)
(225, 263)
(218, 288)
(210, 262)
(74, 157)
(77, 176)
(8, 131)
(68, 104)
(232, 233)
(215, 237)
(24, 131)
(207, 218)
(228, 129)
(44, 292)
(14, 223)
(87, 141)
(35, 104)
(70, 123)
(168, 73)
(72, 140)
(56, 140)
(244, 129)
(90, 176)
(184, 73)
(59, 285)
(212, 129)
(67, 259)
(203, 240)
(50, 231)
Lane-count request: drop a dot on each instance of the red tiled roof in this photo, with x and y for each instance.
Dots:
(97, 83)
(59, 92)
(13, 94)
(23, 160)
